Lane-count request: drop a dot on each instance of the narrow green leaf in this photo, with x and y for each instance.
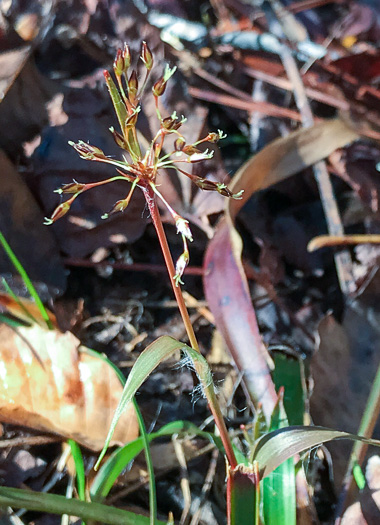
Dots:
(274, 448)
(28, 283)
(10, 292)
(54, 504)
(279, 487)
(117, 462)
(143, 438)
(289, 373)
(79, 468)
(147, 361)
(13, 323)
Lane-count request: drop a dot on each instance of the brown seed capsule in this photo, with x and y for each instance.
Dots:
(119, 206)
(146, 56)
(206, 184)
(168, 123)
(179, 144)
(72, 187)
(190, 150)
(159, 87)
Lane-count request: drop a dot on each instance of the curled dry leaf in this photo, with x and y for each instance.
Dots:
(229, 299)
(51, 383)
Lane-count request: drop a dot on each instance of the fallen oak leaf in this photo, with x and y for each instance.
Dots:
(67, 390)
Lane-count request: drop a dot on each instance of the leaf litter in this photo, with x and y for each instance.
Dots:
(275, 224)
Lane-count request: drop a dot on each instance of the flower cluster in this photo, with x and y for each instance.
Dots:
(137, 167)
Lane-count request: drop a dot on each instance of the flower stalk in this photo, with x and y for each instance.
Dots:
(141, 170)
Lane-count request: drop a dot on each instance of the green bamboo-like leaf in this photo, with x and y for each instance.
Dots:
(54, 504)
(276, 447)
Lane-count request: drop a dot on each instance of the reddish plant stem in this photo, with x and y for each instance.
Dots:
(150, 198)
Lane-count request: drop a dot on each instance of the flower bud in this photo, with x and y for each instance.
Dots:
(183, 227)
(159, 87)
(179, 144)
(118, 65)
(118, 206)
(199, 157)
(118, 138)
(126, 54)
(133, 85)
(72, 187)
(59, 212)
(206, 184)
(182, 262)
(146, 56)
(86, 151)
(190, 149)
(132, 118)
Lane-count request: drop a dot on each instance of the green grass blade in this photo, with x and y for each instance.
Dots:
(10, 292)
(276, 447)
(145, 446)
(147, 361)
(13, 323)
(149, 464)
(79, 469)
(54, 504)
(112, 468)
(28, 283)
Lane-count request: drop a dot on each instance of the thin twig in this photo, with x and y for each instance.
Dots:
(334, 224)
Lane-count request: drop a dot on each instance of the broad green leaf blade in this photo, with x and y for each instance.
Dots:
(279, 487)
(54, 504)
(279, 495)
(289, 373)
(276, 447)
(147, 361)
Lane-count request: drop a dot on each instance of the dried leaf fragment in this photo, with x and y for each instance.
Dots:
(67, 390)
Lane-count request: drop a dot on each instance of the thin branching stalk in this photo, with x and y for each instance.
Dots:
(209, 389)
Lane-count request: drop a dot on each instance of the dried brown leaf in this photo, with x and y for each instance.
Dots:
(66, 390)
